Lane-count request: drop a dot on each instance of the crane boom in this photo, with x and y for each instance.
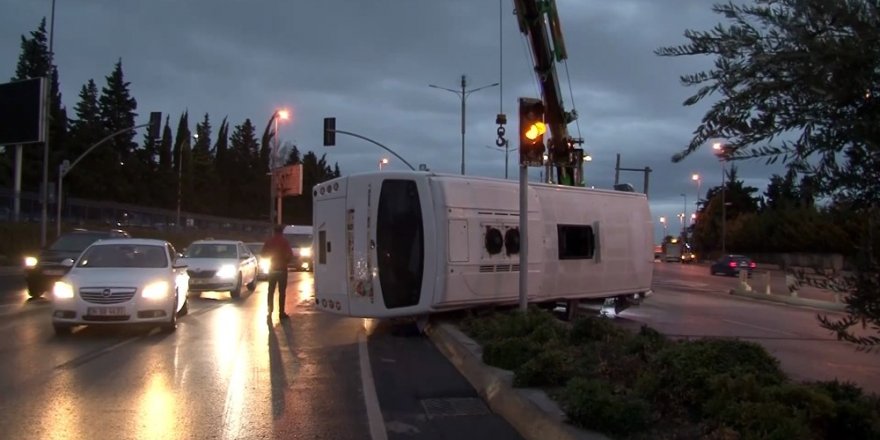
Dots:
(534, 17)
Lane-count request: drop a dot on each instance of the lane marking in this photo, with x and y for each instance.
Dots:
(758, 327)
(371, 399)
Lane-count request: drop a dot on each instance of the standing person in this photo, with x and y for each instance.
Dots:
(278, 250)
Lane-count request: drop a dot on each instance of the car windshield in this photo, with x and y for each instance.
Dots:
(212, 250)
(299, 240)
(255, 247)
(124, 255)
(75, 242)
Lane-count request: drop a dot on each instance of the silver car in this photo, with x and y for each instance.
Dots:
(220, 265)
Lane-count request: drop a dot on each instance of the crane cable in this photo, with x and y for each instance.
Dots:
(571, 93)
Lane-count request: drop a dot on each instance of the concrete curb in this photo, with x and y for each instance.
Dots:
(826, 305)
(11, 270)
(494, 385)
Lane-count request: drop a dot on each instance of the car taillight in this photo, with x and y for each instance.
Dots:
(732, 264)
(752, 265)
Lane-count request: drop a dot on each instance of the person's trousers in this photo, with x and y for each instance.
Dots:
(278, 278)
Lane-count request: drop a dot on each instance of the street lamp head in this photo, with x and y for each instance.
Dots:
(662, 219)
(695, 177)
(588, 158)
(717, 146)
(384, 161)
(284, 114)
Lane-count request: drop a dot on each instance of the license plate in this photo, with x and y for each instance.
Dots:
(196, 281)
(53, 272)
(106, 311)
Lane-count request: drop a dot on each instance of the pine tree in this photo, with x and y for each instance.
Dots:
(246, 196)
(117, 109)
(164, 186)
(205, 178)
(221, 202)
(86, 130)
(182, 162)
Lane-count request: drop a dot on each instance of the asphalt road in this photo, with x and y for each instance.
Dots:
(690, 303)
(228, 374)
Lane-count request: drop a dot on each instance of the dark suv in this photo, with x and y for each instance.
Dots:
(42, 271)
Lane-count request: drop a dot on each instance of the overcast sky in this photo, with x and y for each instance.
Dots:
(369, 63)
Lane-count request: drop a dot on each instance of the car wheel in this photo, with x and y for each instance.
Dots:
(251, 286)
(185, 309)
(171, 325)
(61, 329)
(236, 291)
(34, 290)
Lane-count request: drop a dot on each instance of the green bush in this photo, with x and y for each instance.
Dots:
(756, 410)
(594, 404)
(510, 353)
(537, 325)
(590, 329)
(681, 373)
(551, 367)
(855, 414)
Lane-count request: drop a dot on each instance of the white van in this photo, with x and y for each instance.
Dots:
(300, 239)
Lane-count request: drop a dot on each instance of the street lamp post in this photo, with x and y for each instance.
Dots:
(684, 218)
(274, 195)
(663, 222)
(696, 178)
(719, 148)
(463, 94)
(382, 162)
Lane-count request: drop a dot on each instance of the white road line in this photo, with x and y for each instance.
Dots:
(371, 399)
(758, 327)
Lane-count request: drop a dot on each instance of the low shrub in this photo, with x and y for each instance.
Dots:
(855, 415)
(552, 367)
(509, 353)
(680, 374)
(591, 329)
(595, 405)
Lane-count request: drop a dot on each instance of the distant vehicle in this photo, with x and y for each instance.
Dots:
(220, 265)
(731, 265)
(688, 255)
(256, 248)
(672, 251)
(396, 243)
(658, 252)
(41, 271)
(121, 281)
(300, 239)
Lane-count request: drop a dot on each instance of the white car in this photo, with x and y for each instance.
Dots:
(121, 281)
(220, 265)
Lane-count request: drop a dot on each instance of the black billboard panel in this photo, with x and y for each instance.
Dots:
(21, 111)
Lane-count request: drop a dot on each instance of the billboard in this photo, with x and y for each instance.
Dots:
(288, 180)
(22, 112)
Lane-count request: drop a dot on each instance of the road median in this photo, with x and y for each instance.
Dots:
(530, 411)
(790, 300)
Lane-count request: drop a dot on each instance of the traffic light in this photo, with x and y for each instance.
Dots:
(531, 131)
(329, 132)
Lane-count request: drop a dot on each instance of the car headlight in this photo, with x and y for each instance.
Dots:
(265, 265)
(30, 261)
(156, 290)
(227, 271)
(62, 290)
(305, 252)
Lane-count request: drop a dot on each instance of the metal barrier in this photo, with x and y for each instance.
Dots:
(82, 211)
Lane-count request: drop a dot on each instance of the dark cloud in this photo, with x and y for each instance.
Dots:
(369, 64)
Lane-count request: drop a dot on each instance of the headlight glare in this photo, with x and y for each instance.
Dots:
(62, 290)
(156, 290)
(226, 271)
(305, 252)
(30, 261)
(265, 265)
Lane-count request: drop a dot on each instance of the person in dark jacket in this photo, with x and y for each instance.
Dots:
(277, 248)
